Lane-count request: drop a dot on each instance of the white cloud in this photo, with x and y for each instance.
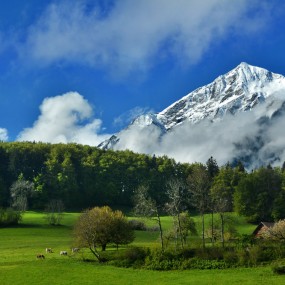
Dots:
(134, 34)
(65, 118)
(239, 136)
(3, 134)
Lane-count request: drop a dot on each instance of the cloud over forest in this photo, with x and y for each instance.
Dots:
(254, 135)
(65, 118)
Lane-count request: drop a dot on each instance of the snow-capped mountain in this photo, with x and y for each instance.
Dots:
(239, 90)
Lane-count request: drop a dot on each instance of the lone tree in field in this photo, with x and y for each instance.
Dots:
(100, 226)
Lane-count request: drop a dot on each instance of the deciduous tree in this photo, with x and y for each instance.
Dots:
(100, 226)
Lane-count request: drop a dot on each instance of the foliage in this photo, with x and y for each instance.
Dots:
(82, 176)
(9, 217)
(258, 193)
(279, 268)
(101, 226)
(199, 185)
(148, 207)
(20, 191)
(277, 232)
(137, 225)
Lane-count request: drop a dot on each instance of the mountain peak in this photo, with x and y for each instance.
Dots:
(238, 90)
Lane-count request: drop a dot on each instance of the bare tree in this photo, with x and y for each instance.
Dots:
(175, 192)
(147, 207)
(54, 212)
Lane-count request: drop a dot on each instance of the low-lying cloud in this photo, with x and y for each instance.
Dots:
(250, 136)
(256, 137)
(65, 118)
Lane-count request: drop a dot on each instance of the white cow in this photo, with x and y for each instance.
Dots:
(75, 249)
(63, 252)
(49, 250)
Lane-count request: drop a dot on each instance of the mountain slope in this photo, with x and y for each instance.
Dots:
(239, 90)
(243, 89)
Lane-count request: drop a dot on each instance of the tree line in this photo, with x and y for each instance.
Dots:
(82, 177)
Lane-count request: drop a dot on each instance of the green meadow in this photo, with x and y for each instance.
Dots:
(19, 265)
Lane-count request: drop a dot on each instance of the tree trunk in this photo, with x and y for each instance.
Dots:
(104, 247)
(212, 228)
(222, 229)
(94, 251)
(180, 230)
(160, 231)
(203, 230)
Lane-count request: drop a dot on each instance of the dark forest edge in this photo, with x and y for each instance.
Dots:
(32, 175)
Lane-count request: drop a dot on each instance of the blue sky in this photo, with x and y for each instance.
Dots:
(81, 70)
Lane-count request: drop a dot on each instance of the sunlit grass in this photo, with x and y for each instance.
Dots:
(19, 265)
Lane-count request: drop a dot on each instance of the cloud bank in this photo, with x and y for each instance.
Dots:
(65, 118)
(132, 35)
(256, 137)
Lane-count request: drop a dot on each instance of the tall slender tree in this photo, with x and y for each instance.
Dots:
(199, 186)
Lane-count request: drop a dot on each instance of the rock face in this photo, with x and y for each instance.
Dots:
(239, 90)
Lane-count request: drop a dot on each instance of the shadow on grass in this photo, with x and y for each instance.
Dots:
(33, 225)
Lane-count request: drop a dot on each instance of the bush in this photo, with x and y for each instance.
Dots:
(153, 229)
(132, 257)
(197, 263)
(213, 253)
(279, 268)
(137, 225)
(231, 257)
(9, 217)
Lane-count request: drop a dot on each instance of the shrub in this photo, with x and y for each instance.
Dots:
(213, 253)
(279, 268)
(137, 225)
(9, 217)
(197, 263)
(231, 257)
(153, 229)
(132, 257)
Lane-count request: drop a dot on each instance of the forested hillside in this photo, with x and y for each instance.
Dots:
(81, 176)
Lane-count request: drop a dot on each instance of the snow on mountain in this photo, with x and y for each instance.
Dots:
(236, 92)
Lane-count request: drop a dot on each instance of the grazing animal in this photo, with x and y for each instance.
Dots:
(49, 250)
(63, 252)
(40, 256)
(75, 249)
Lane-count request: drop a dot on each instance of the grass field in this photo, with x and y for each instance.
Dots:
(18, 263)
